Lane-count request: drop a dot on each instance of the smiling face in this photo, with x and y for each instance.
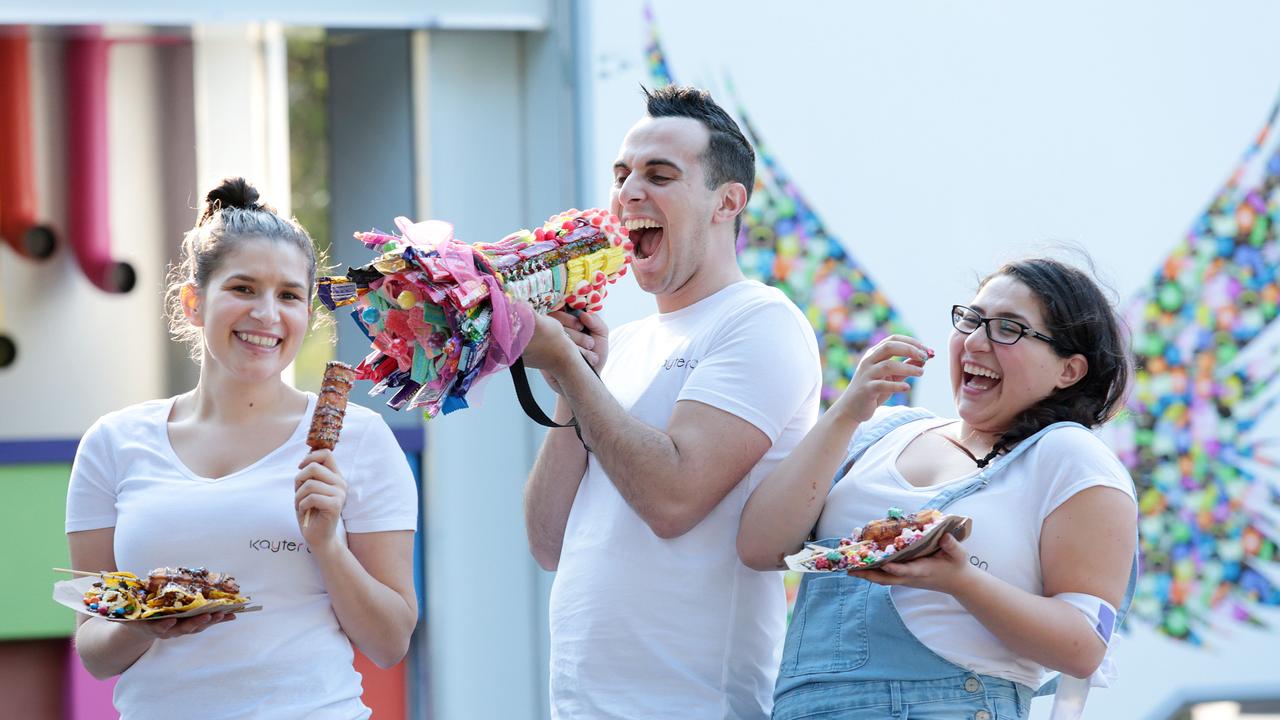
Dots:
(660, 193)
(254, 311)
(994, 383)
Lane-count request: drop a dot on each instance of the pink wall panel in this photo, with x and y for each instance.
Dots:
(87, 697)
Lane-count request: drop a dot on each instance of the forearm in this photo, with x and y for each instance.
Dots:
(1048, 631)
(376, 618)
(107, 649)
(551, 488)
(642, 461)
(784, 508)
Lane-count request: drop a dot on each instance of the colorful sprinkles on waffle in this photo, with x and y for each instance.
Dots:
(857, 551)
(442, 314)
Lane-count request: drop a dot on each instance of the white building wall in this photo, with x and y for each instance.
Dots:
(484, 624)
(82, 352)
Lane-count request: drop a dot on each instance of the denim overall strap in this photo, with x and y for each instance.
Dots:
(947, 497)
(840, 623)
(881, 601)
(943, 499)
(874, 434)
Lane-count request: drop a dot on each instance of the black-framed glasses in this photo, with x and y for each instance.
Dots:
(999, 330)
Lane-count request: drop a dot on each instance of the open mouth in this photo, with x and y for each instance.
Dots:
(262, 341)
(646, 235)
(978, 378)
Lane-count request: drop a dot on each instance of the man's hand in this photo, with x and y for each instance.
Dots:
(550, 348)
(587, 331)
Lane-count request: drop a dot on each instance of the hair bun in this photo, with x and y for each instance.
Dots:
(234, 192)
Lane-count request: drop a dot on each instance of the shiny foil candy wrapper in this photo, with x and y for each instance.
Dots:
(442, 314)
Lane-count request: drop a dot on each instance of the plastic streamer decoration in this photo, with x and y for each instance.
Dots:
(1200, 434)
(442, 314)
(784, 243)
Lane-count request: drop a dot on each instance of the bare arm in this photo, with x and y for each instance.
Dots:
(1041, 628)
(562, 460)
(370, 584)
(109, 648)
(370, 578)
(551, 488)
(671, 477)
(783, 509)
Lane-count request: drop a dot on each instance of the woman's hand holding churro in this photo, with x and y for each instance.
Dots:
(320, 492)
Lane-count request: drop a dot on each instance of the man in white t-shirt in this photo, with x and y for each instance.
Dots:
(652, 614)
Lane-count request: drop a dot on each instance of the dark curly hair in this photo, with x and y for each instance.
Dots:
(729, 156)
(1082, 321)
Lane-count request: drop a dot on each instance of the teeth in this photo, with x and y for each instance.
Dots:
(979, 370)
(640, 224)
(259, 340)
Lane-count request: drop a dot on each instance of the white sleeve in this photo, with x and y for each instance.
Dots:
(762, 368)
(1077, 460)
(381, 493)
(91, 494)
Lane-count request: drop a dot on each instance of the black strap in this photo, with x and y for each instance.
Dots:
(530, 406)
(980, 462)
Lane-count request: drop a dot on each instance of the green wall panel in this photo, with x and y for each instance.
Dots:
(33, 540)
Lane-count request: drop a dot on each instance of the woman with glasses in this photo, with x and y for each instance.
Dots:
(1037, 359)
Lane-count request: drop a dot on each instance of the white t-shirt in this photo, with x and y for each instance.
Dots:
(643, 627)
(291, 660)
(1005, 541)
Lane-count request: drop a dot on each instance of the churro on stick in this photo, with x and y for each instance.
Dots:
(331, 407)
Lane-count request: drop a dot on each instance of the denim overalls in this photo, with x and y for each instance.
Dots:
(849, 655)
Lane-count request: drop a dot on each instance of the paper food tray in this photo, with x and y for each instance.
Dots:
(957, 525)
(71, 594)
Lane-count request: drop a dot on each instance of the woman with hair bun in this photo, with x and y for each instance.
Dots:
(221, 477)
(1038, 359)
